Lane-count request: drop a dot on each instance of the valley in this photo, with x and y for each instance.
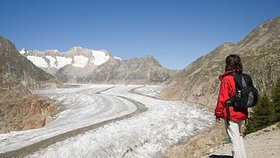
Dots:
(121, 108)
(102, 121)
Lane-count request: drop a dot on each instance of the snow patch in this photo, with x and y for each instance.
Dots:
(62, 61)
(80, 61)
(22, 52)
(38, 61)
(99, 57)
(77, 47)
(118, 58)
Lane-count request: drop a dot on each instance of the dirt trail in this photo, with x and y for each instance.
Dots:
(49, 141)
(261, 144)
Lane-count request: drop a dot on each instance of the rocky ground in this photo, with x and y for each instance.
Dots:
(19, 109)
(25, 113)
(262, 144)
(198, 146)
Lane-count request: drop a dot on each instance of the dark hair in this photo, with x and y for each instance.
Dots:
(233, 62)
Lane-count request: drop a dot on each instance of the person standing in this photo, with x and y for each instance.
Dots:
(236, 116)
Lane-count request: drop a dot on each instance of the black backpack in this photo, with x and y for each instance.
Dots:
(246, 94)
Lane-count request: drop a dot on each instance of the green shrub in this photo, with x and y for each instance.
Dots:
(266, 112)
(275, 97)
(261, 116)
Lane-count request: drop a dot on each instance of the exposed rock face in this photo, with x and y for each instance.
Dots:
(26, 113)
(19, 109)
(20, 67)
(10, 87)
(136, 70)
(260, 54)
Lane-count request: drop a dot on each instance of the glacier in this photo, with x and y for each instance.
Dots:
(145, 134)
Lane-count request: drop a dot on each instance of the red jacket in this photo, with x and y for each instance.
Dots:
(227, 90)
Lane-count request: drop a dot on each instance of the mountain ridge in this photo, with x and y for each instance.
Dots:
(143, 70)
(109, 69)
(260, 55)
(54, 59)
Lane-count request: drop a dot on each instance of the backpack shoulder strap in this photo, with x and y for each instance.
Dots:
(238, 80)
(231, 100)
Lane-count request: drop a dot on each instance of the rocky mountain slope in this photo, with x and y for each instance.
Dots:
(21, 68)
(19, 109)
(81, 65)
(136, 70)
(260, 54)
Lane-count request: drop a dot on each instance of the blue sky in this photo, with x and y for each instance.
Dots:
(175, 32)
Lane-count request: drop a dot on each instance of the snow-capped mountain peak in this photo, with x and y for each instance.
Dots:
(83, 65)
(52, 60)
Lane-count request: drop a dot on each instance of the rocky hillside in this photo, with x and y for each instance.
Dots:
(21, 68)
(19, 109)
(260, 54)
(136, 70)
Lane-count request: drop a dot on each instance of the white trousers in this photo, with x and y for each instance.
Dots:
(234, 132)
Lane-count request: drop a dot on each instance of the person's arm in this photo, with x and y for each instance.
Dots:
(222, 98)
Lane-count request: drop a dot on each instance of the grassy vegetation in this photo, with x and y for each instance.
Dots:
(266, 112)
